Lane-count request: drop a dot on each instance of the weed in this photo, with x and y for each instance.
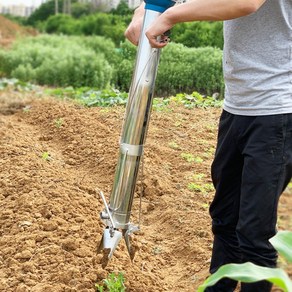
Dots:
(208, 187)
(195, 187)
(26, 109)
(177, 124)
(204, 188)
(199, 186)
(188, 157)
(156, 250)
(46, 156)
(59, 122)
(113, 283)
(205, 206)
(173, 145)
(191, 158)
(198, 159)
(199, 176)
(196, 100)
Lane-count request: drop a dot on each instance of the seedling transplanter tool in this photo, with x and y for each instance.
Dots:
(116, 214)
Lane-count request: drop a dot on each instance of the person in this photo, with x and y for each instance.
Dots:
(253, 159)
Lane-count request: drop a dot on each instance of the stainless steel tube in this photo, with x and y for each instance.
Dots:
(135, 127)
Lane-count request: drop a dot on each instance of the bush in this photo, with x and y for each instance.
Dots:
(104, 24)
(94, 61)
(43, 12)
(199, 34)
(57, 61)
(181, 69)
(101, 24)
(62, 23)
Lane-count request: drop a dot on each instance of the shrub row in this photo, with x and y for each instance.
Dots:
(195, 34)
(199, 34)
(56, 61)
(181, 69)
(95, 62)
(101, 24)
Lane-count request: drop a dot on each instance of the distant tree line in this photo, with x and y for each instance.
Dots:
(86, 19)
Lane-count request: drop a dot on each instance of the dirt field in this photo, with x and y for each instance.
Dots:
(9, 31)
(55, 155)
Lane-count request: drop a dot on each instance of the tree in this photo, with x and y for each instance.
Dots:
(79, 9)
(122, 9)
(44, 11)
(56, 7)
(67, 7)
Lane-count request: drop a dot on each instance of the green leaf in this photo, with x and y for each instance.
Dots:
(282, 242)
(249, 273)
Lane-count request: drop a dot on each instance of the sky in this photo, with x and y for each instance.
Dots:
(17, 2)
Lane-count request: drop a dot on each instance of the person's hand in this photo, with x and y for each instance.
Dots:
(157, 33)
(133, 31)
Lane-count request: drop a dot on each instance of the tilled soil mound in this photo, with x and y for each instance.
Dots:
(55, 156)
(10, 30)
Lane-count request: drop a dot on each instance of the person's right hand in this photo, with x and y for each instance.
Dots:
(133, 31)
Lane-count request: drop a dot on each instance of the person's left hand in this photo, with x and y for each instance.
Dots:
(156, 32)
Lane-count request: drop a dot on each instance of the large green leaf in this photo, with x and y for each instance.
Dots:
(282, 242)
(248, 273)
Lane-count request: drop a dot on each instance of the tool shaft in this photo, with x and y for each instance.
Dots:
(135, 127)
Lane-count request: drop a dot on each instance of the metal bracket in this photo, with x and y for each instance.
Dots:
(132, 150)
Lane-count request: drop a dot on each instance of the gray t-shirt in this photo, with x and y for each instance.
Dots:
(257, 61)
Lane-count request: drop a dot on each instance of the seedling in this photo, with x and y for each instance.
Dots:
(205, 206)
(173, 145)
(195, 187)
(113, 283)
(59, 122)
(156, 250)
(26, 109)
(46, 156)
(191, 158)
(188, 157)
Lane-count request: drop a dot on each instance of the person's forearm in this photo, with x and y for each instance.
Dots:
(211, 10)
(140, 10)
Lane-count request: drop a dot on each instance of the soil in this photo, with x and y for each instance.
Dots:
(56, 155)
(10, 30)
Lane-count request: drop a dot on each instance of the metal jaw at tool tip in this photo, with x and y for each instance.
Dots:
(112, 235)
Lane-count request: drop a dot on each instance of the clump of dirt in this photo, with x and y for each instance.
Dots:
(10, 30)
(55, 156)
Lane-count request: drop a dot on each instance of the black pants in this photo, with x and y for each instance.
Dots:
(251, 168)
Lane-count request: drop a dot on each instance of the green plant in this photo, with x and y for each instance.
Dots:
(195, 187)
(173, 145)
(191, 158)
(58, 61)
(91, 96)
(15, 84)
(199, 187)
(249, 272)
(181, 69)
(199, 34)
(46, 156)
(113, 283)
(188, 157)
(195, 99)
(157, 250)
(59, 122)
